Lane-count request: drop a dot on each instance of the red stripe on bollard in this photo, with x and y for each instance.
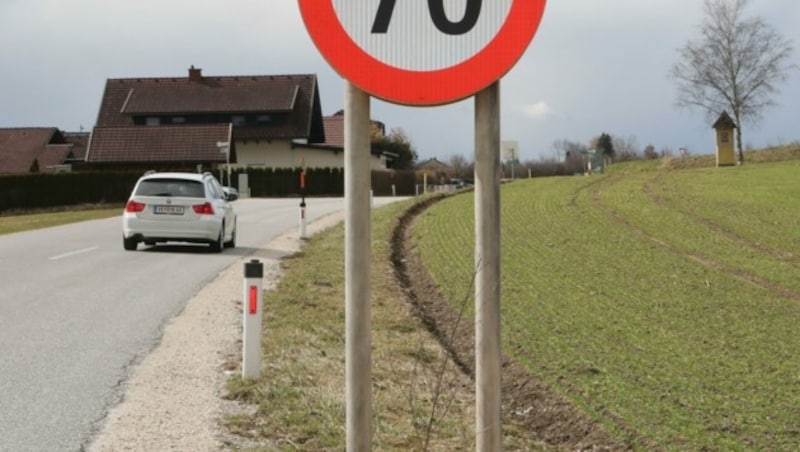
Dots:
(253, 299)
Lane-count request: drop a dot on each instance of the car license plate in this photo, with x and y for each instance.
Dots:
(168, 210)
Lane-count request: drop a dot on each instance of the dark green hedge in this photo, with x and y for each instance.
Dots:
(34, 191)
(321, 182)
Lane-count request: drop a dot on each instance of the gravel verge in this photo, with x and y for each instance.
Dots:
(173, 399)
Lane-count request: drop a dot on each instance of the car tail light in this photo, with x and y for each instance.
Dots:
(203, 209)
(133, 206)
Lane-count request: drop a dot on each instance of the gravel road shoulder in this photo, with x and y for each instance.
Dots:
(173, 398)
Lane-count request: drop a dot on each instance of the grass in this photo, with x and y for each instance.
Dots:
(659, 297)
(662, 297)
(18, 222)
(299, 398)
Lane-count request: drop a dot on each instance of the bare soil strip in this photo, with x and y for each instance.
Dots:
(527, 401)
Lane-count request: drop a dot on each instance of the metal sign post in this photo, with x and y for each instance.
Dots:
(358, 312)
(488, 426)
(225, 148)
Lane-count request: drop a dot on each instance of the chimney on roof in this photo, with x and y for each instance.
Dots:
(195, 74)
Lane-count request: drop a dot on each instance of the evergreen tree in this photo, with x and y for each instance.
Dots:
(397, 142)
(605, 145)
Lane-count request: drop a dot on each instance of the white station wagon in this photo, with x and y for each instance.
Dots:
(179, 207)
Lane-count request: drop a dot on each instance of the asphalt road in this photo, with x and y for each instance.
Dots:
(77, 311)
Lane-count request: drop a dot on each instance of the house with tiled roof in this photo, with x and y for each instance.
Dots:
(334, 142)
(42, 149)
(433, 165)
(267, 121)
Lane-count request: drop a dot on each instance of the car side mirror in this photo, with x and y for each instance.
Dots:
(231, 194)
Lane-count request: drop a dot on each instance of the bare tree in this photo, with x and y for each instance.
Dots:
(558, 149)
(460, 166)
(734, 65)
(625, 148)
(650, 152)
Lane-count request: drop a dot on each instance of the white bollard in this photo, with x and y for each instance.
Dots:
(303, 233)
(252, 313)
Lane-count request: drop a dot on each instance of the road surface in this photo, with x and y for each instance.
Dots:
(77, 312)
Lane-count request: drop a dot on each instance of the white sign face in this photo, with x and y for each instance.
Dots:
(412, 40)
(422, 52)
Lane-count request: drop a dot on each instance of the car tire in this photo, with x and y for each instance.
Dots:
(232, 242)
(218, 245)
(129, 244)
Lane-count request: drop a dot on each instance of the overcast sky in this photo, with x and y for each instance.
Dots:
(594, 66)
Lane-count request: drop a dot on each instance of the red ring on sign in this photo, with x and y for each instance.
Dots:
(422, 87)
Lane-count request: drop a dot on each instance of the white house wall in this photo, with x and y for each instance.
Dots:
(280, 154)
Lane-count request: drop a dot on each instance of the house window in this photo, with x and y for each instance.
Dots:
(723, 137)
(264, 119)
(153, 121)
(238, 120)
(178, 120)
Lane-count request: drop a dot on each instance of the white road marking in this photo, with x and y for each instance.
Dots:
(74, 253)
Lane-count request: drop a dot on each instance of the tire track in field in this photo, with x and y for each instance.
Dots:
(705, 261)
(716, 227)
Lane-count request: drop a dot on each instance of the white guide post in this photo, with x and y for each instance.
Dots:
(303, 228)
(252, 308)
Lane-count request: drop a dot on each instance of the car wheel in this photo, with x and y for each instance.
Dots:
(129, 243)
(217, 245)
(232, 242)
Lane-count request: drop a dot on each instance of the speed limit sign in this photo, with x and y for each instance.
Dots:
(422, 52)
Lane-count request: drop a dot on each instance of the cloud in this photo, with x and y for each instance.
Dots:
(539, 111)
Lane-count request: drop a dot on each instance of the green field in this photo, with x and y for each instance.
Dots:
(26, 221)
(662, 299)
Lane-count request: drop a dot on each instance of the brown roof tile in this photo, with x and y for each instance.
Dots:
(293, 97)
(724, 122)
(80, 141)
(19, 147)
(158, 144)
(334, 130)
(54, 154)
(180, 98)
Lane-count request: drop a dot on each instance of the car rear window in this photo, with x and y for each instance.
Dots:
(171, 187)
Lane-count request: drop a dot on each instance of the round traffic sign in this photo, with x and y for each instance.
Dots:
(422, 52)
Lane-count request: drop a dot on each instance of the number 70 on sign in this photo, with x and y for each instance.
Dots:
(438, 16)
(422, 52)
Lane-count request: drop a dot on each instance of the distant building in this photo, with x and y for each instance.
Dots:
(725, 139)
(42, 149)
(334, 144)
(267, 121)
(437, 171)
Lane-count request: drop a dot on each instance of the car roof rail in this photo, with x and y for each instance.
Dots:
(149, 172)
